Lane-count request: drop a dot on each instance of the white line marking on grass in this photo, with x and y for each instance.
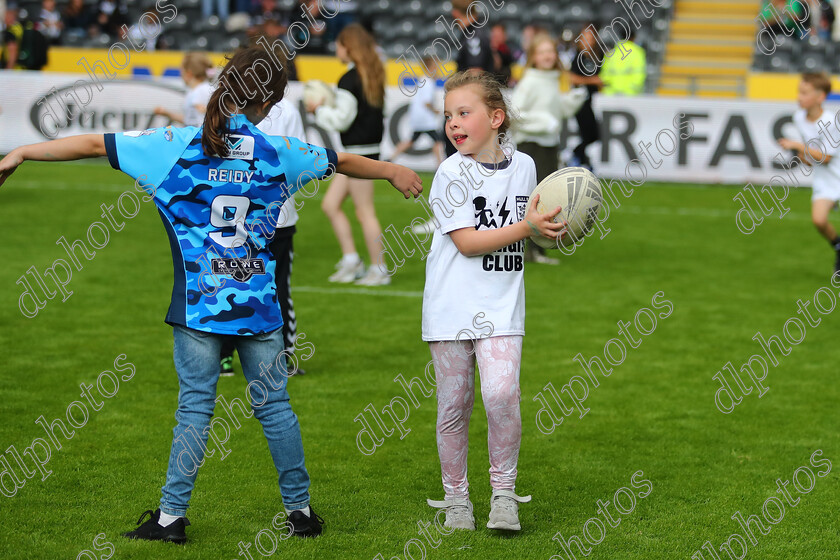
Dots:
(356, 291)
(702, 212)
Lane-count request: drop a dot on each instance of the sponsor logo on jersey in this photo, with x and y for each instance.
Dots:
(137, 133)
(240, 269)
(240, 147)
(229, 175)
(521, 206)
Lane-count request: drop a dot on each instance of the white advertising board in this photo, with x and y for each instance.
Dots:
(675, 139)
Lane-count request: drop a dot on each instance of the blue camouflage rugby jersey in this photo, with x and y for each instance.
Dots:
(220, 214)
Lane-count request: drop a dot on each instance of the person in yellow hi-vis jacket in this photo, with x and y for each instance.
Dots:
(625, 76)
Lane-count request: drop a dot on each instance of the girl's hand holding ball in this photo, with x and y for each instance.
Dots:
(543, 224)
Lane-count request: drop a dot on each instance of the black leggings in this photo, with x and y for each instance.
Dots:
(282, 249)
(589, 131)
(545, 158)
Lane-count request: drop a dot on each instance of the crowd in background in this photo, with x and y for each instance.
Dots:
(779, 16)
(110, 19)
(26, 37)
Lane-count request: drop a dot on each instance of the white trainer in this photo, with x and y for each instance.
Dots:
(542, 259)
(459, 512)
(424, 228)
(374, 277)
(347, 273)
(504, 510)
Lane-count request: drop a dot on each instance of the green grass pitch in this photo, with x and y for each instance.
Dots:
(654, 413)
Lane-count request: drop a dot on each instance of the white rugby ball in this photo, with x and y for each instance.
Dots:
(578, 192)
(318, 93)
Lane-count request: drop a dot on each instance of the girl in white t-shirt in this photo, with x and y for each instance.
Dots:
(194, 70)
(474, 300)
(541, 110)
(424, 114)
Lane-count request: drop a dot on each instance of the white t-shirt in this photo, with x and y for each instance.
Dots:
(460, 289)
(827, 176)
(199, 95)
(284, 120)
(420, 116)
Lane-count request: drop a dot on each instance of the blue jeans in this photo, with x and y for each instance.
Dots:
(222, 8)
(264, 366)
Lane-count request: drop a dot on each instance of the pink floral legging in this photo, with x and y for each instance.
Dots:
(498, 359)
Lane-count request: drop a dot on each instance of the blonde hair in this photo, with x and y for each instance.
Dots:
(197, 64)
(539, 38)
(489, 90)
(361, 49)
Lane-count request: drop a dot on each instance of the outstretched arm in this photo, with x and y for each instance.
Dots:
(172, 115)
(472, 243)
(806, 153)
(64, 149)
(404, 179)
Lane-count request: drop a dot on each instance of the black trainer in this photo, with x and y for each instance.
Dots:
(151, 530)
(837, 263)
(306, 526)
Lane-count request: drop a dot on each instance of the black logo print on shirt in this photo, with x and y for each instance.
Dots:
(506, 259)
(483, 214)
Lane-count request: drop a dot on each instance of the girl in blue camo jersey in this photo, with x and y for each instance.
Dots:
(217, 188)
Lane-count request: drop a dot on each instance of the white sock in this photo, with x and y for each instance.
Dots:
(351, 258)
(166, 520)
(305, 511)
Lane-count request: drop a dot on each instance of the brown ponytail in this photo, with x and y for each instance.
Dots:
(252, 76)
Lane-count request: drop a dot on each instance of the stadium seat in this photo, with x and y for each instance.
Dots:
(396, 49)
(180, 38)
(541, 12)
(780, 61)
(584, 13)
(206, 25)
(762, 62)
(608, 12)
(379, 6)
(192, 14)
(413, 8)
(812, 62)
(510, 12)
(232, 43)
(72, 40)
(180, 22)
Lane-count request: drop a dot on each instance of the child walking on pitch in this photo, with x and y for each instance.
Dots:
(424, 114)
(815, 123)
(219, 190)
(194, 70)
(358, 116)
(475, 282)
(541, 109)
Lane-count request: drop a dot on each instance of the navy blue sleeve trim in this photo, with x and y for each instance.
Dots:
(332, 157)
(111, 150)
